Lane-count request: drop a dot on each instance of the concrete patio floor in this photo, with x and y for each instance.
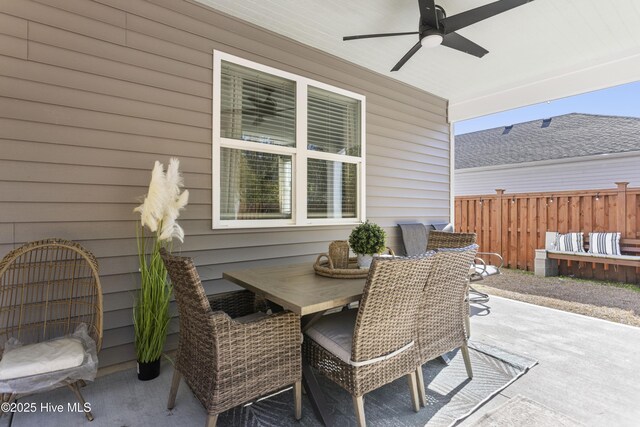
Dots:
(587, 367)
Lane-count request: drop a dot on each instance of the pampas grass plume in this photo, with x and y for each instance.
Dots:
(164, 201)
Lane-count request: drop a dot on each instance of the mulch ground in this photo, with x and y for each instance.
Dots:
(589, 297)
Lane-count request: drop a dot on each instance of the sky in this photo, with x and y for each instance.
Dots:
(623, 100)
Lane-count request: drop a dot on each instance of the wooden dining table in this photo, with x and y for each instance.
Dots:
(298, 288)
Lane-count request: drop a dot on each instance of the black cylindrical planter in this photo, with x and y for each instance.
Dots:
(149, 370)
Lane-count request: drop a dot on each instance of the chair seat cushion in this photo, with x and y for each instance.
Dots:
(334, 332)
(250, 317)
(485, 271)
(40, 358)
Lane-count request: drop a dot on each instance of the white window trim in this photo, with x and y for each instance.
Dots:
(299, 153)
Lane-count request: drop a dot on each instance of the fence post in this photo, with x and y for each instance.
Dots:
(621, 205)
(499, 194)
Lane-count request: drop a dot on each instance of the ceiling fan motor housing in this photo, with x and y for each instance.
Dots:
(430, 36)
(426, 29)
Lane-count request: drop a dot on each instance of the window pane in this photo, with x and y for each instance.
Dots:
(257, 106)
(333, 123)
(332, 189)
(254, 185)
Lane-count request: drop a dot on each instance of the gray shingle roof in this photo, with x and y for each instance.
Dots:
(569, 135)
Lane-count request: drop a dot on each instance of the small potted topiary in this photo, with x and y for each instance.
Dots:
(366, 240)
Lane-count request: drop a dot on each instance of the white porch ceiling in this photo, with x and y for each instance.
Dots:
(543, 50)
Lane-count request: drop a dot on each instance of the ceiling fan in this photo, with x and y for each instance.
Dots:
(262, 107)
(435, 28)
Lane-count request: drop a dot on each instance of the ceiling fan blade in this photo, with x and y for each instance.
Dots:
(457, 42)
(407, 56)
(428, 12)
(464, 19)
(370, 36)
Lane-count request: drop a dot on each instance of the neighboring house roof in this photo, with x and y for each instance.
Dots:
(566, 136)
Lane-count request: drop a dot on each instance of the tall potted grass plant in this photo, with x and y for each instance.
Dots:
(157, 229)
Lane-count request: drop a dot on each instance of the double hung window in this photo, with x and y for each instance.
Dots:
(287, 150)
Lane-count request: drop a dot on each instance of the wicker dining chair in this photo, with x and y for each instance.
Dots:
(47, 289)
(228, 353)
(444, 309)
(364, 349)
(486, 264)
(445, 239)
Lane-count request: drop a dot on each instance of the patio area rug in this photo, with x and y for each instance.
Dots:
(521, 411)
(121, 400)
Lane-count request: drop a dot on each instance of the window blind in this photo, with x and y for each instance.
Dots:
(257, 106)
(255, 185)
(333, 123)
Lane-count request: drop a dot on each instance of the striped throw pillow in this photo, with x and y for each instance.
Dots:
(570, 242)
(604, 243)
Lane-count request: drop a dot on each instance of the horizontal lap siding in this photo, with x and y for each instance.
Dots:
(93, 92)
(573, 174)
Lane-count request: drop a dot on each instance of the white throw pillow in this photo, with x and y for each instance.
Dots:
(48, 356)
(604, 243)
(570, 242)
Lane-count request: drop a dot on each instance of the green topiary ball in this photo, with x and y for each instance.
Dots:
(367, 239)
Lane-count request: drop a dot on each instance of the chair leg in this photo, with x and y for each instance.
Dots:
(467, 319)
(297, 398)
(467, 326)
(413, 388)
(211, 420)
(76, 390)
(358, 404)
(467, 359)
(175, 382)
(421, 389)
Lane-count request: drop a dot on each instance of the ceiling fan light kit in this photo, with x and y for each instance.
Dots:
(435, 28)
(431, 40)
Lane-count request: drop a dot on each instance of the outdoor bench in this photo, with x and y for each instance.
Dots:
(546, 263)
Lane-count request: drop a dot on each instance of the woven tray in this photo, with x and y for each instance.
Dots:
(325, 268)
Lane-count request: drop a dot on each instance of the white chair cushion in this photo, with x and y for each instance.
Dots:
(40, 358)
(485, 271)
(334, 332)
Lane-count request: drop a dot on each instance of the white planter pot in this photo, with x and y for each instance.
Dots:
(364, 261)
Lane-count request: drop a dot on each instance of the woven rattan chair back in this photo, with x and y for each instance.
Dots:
(197, 342)
(443, 309)
(387, 312)
(193, 306)
(443, 239)
(47, 289)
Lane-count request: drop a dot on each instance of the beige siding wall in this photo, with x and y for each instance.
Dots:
(91, 93)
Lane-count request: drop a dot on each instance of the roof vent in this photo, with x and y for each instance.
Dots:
(546, 123)
(507, 129)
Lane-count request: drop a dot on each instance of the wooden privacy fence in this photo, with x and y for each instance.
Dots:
(514, 225)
